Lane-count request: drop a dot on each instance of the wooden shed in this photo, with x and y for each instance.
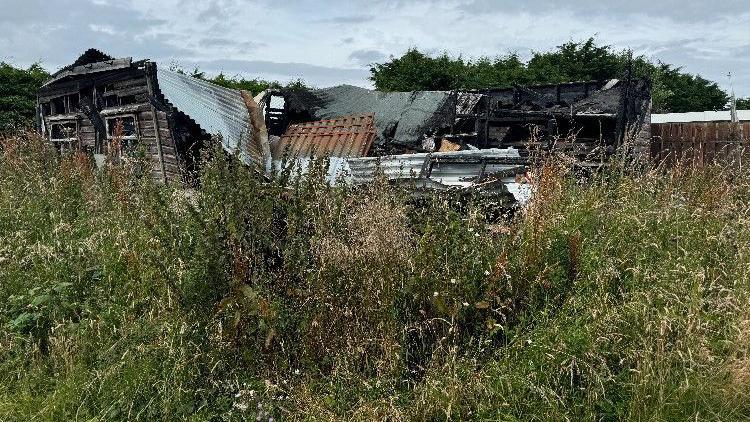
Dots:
(100, 103)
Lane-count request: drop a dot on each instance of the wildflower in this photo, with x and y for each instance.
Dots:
(486, 272)
(466, 304)
(436, 294)
(453, 281)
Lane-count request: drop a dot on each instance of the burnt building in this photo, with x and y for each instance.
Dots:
(587, 120)
(108, 106)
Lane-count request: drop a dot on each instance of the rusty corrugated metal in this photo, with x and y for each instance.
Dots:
(339, 139)
(348, 136)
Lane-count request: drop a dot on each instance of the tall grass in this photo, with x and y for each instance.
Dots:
(621, 298)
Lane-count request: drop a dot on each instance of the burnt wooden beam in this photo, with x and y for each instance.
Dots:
(89, 110)
(155, 120)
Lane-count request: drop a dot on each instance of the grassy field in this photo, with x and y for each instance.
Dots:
(623, 298)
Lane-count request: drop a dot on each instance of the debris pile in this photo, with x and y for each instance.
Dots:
(481, 141)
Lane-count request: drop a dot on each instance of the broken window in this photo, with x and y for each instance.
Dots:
(66, 104)
(123, 127)
(57, 106)
(63, 131)
(73, 103)
(111, 101)
(46, 109)
(127, 100)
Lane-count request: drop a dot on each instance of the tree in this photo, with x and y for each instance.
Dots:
(582, 61)
(418, 71)
(673, 90)
(743, 103)
(18, 89)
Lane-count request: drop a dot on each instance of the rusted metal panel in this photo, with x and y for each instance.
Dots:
(339, 139)
(348, 136)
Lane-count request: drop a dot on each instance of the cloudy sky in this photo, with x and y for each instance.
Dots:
(332, 42)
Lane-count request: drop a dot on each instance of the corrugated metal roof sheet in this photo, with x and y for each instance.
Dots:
(345, 137)
(701, 116)
(217, 110)
(401, 116)
(450, 168)
(460, 169)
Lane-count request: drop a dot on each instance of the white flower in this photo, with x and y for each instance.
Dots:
(486, 272)
(453, 281)
(466, 304)
(436, 294)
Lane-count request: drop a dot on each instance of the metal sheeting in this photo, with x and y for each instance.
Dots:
(701, 116)
(448, 168)
(217, 110)
(461, 169)
(345, 137)
(400, 116)
(348, 136)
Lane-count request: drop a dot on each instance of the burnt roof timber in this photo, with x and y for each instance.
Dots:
(62, 87)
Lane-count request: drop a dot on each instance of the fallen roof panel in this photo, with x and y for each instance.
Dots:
(345, 137)
(449, 168)
(217, 110)
(400, 116)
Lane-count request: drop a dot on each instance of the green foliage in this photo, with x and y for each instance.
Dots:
(673, 90)
(255, 85)
(415, 69)
(18, 88)
(624, 298)
(743, 104)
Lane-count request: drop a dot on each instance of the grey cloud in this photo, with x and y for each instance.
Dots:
(316, 75)
(366, 57)
(218, 42)
(56, 32)
(348, 19)
(681, 10)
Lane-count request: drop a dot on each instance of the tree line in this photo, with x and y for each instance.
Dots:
(673, 89)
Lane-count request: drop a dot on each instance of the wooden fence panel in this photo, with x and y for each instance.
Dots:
(700, 142)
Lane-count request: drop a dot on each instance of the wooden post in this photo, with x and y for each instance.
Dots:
(155, 119)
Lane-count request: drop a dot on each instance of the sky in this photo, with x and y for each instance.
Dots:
(332, 42)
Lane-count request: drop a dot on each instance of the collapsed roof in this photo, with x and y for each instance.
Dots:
(399, 116)
(217, 110)
(407, 118)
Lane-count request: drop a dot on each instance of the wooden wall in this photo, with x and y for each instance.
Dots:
(698, 142)
(129, 83)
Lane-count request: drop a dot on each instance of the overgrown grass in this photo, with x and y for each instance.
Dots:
(624, 298)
